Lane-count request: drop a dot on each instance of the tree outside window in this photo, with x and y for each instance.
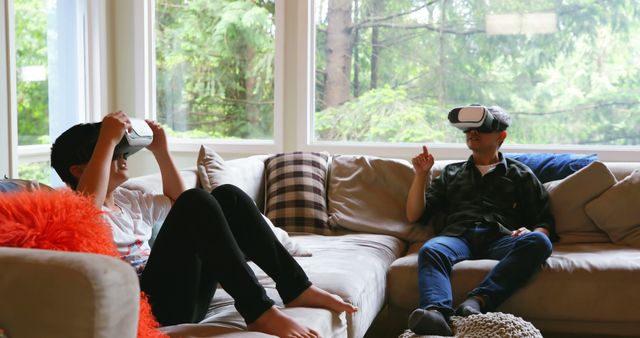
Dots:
(389, 71)
(215, 68)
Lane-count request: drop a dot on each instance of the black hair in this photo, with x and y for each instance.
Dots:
(74, 147)
(500, 115)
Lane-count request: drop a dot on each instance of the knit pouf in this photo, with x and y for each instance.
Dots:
(492, 324)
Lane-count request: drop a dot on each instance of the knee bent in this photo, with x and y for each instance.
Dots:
(428, 254)
(540, 242)
(192, 194)
(226, 190)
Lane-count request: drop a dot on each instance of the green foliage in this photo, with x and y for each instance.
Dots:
(36, 171)
(381, 115)
(31, 50)
(576, 86)
(215, 62)
(215, 67)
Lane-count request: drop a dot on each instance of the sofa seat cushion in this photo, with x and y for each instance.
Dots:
(353, 266)
(576, 284)
(229, 324)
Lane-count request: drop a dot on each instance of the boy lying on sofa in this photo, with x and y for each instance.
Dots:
(204, 239)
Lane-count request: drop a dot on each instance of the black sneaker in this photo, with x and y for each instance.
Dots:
(429, 322)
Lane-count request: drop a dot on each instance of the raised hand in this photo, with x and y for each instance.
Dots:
(159, 137)
(114, 126)
(423, 162)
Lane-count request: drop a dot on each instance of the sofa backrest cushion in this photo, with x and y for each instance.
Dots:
(568, 198)
(295, 191)
(368, 194)
(245, 173)
(617, 212)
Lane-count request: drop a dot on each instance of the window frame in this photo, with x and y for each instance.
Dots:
(239, 147)
(443, 151)
(8, 113)
(94, 87)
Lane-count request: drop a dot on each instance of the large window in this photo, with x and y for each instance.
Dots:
(215, 68)
(389, 71)
(50, 95)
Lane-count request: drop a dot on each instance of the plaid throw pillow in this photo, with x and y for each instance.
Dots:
(295, 193)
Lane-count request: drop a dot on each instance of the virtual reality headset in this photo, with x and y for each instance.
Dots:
(135, 139)
(475, 118)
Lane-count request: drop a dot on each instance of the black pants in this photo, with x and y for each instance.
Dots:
(206, 239)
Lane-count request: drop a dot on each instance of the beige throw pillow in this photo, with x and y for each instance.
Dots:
(617, 211)
(293, 247)
(368, 194)
(568, 198)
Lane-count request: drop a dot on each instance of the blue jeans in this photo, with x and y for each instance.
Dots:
(520, 257)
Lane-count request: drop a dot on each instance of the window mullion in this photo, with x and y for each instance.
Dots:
(8, 112)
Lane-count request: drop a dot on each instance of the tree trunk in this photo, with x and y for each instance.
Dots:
(338, 70)
(442, 66)
(356, 42)
(377, 6)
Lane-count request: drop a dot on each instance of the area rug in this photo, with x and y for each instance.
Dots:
(487, 325)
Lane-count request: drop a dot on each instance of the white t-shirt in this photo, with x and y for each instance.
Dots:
(486, 168)
(133, 225)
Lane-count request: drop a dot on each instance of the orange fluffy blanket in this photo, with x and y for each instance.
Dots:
(65, 221)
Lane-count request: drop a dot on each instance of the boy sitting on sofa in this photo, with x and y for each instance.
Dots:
(204, 239)
(494, 208)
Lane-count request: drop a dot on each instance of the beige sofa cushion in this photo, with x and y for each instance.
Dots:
(617, 211)
(576, 284)
(568, 198)
(352, 266)
(245, 173)
(368, 194)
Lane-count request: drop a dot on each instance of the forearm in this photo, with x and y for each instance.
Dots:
(172, 184)
(416, 197)
(95, 177)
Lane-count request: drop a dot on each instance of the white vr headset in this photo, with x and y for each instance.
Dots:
(475, 118)
(137, 138)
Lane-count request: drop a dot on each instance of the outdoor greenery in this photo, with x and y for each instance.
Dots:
(31, 50)
(214, 65)
(386, 71)
(402, 65)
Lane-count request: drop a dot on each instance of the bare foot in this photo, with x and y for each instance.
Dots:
(316, 297)
(277, 323)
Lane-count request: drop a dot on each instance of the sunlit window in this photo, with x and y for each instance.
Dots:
(49, 73)
(215, 68)
(389, 71)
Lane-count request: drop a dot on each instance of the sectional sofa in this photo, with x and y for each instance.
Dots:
(366, 253)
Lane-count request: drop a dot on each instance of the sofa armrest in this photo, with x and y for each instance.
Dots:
(47, 293)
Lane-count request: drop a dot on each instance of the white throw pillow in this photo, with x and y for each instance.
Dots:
(294, 248)
(617, 212)
(245, 173)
